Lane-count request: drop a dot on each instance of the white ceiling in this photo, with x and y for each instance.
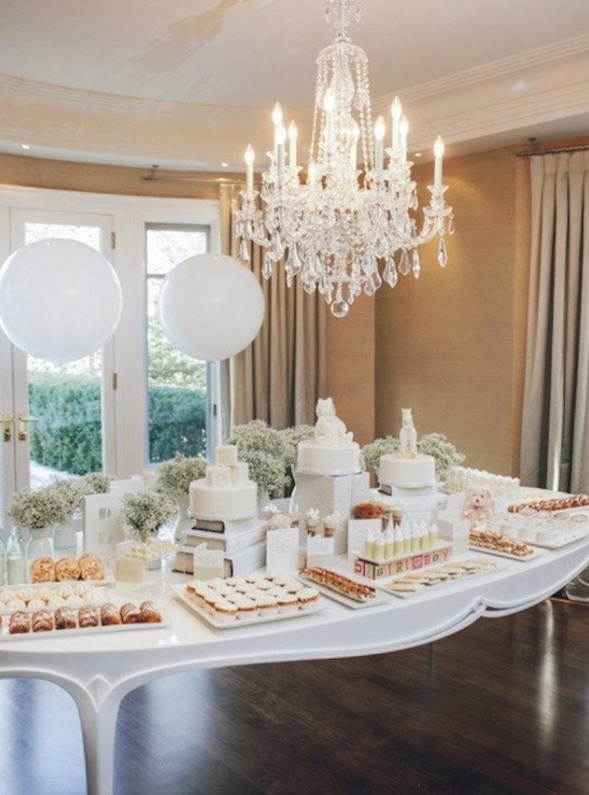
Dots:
(188, 83)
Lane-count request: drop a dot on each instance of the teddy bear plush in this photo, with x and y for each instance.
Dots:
(478, 507)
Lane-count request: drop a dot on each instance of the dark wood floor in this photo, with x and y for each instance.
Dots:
(499, 709)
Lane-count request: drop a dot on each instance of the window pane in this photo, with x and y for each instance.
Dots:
(66, 436)
(177, 383)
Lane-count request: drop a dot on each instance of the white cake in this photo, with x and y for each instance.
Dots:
(226, 492)
(402, 471)
(332, 450)
(317, 459)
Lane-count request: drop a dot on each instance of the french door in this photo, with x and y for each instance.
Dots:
(113, 417)
(29, 388)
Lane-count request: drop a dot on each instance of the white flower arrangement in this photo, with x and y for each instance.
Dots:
(96, 483)
(267, 453)
(270, 453)
(443, 451)
(144, 512)
(291, 438)
(175, 475)
(373, 452)
(44, 507)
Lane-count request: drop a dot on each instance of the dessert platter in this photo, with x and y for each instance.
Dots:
(547, 530)
(256, 599)
(415, 582)
(495, 543)
(342, 588)
(99, 616)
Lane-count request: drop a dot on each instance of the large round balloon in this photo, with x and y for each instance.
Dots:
(211, 307)
(59, 299)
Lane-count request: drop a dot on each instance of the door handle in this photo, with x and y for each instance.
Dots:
(7, 427)
(22, 424)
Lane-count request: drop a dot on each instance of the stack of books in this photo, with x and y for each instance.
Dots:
(242, 541)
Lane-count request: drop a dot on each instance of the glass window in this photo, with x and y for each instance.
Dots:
(177, 383)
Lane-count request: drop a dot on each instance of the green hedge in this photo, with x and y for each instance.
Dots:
(66, 435)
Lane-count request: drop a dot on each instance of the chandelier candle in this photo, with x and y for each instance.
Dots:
(340, 226)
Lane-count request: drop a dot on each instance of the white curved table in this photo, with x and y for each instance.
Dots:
(98, 670)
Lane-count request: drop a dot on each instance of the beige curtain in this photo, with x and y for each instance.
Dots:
(280, 376)
(555, 430)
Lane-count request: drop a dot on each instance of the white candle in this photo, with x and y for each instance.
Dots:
(329, 107)
(277, 120)
(396, 113)
(292, 139)
(249, 170)
(280, 139)
(438, 153)
(379, 130)
(403, 132)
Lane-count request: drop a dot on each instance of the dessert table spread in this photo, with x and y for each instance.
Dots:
(99, 669)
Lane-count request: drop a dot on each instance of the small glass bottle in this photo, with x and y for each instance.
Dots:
(16, 559)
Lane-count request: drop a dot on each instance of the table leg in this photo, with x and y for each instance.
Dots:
(98, 723)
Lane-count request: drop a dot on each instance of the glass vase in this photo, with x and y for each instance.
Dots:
(185, 521)
(66, 535)
(40, 542)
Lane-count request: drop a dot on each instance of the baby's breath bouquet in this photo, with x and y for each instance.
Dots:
(266, 451)
(144, 512)
(291, 437)
(175, 475)
(373, 452)
(41, 508)
(443, 451)
(74, 490)
(95, 483)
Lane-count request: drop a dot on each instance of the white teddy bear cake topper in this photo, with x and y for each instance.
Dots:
(329, 429)
(407, 434)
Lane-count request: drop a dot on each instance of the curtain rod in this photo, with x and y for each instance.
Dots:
(534, 152)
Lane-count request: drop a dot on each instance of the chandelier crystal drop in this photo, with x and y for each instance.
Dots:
(342, 226)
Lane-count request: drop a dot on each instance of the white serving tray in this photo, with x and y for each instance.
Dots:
(80, 631)
(378, 598)
(536, 552)
(420, 586)
(180, 592)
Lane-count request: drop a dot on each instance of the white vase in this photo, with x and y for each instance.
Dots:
(185, 520)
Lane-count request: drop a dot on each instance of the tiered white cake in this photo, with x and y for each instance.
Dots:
(226, 492)
(332, 450)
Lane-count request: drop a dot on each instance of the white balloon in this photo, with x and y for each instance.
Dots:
(59, 299)
(211, 307)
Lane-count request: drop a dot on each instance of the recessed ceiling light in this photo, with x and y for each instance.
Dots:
(25, 146)
(224, 165)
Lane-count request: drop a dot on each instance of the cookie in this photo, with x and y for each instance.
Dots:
(67, 569)
(43, 570)
(91, 567)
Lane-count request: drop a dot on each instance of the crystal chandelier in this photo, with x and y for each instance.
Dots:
(341, 226)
